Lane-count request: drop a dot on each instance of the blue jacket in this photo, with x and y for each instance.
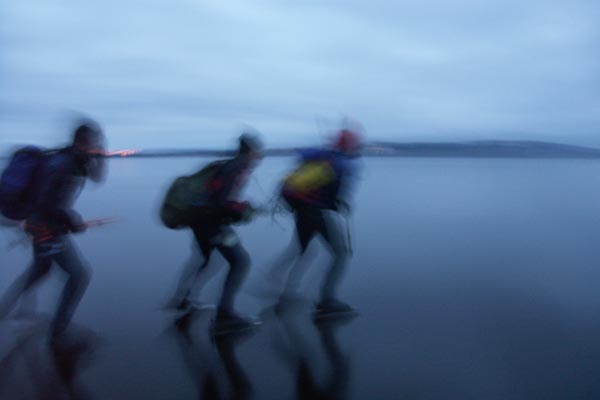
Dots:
(61, 180)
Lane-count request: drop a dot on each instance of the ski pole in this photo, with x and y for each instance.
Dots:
(93, 223)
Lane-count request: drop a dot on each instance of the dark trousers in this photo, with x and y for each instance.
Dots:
(62, 251)
(224, 240)
(310, 223)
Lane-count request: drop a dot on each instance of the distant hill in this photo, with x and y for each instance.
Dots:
(193, 153)
(486, 148)
(472, 149)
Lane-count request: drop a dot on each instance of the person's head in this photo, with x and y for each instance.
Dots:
(347, 142)
(88, 140)
(250, 148)
(88, 137)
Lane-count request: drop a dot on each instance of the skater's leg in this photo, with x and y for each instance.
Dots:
(188, 284)
(38, 269)
(305, 232)
(332, 234)
(78, 279)
(239, 264)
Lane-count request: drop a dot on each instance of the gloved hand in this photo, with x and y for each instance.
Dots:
(76, 223)
(239, 211)
(248, 214)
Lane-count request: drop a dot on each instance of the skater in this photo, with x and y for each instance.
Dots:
(315, 193)
(50, 219)
(207, 203)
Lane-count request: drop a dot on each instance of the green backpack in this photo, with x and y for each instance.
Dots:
(185, 196)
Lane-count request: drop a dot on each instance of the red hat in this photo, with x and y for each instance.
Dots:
(347, 141)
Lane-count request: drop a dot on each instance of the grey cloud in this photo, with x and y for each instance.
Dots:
(429, 69)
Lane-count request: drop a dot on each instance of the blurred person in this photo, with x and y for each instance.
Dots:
(51, 219)
(207, 203)
(316, 192)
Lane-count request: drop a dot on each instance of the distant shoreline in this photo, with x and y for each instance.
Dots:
(477, 149)
(471, 156)
(496, 149)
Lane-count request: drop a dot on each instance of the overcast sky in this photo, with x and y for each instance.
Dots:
(191, 73)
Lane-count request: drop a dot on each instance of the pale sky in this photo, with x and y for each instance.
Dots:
(191, 73)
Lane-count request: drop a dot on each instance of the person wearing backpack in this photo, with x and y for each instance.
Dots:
(207, 203)
(51, 219)
(315, 191)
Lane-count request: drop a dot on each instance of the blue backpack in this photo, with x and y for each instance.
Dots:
(19, 183)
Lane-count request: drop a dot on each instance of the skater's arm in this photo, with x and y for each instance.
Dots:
(223, 188)
(59, 187)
